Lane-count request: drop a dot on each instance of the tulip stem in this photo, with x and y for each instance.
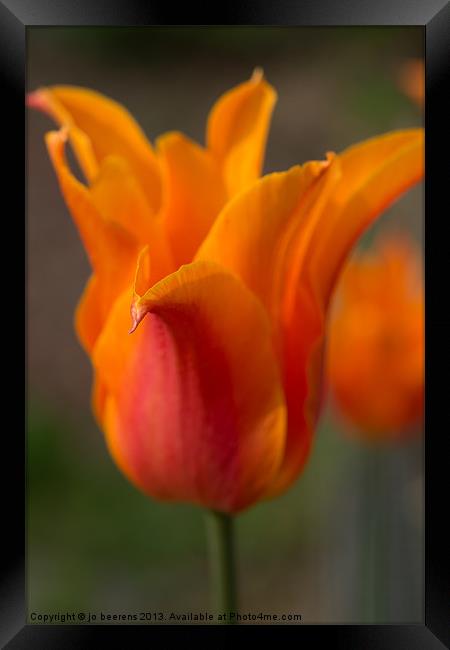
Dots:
(222, 564)
(376, 561)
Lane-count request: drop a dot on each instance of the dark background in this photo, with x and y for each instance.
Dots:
(94, 542)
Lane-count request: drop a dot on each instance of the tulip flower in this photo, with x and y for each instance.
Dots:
(411, 79)
(376, 341)
(213, 397)
(376, 378)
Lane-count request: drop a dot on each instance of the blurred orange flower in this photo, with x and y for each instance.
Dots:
(214, 396)
(376, 341)
(412, 80)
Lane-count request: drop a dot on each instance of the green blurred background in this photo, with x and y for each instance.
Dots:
(94, 542)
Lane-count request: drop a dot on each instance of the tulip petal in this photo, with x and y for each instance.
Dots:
(99, 399)
(111, 250)
(374, 174)
(237, 131)
(193, 193)
(110, 129)
(195, 409)
(257, 233)
(287, 237)
(119, 198)
(261, 236)
(375, 341)
(43, 100)
(89, 316)
(411, 79)
(143, 276)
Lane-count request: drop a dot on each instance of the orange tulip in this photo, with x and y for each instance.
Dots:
(214, 396)
(411, 79)
(376, 345)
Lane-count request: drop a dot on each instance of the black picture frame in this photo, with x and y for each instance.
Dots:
(434, 16)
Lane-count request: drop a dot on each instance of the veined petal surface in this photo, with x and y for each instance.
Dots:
(195, 409)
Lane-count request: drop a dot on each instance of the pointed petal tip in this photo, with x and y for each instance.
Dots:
(60, 136)
(37, 99)
(56, 141)
(257, 75)
(137, 313)
(134, 319)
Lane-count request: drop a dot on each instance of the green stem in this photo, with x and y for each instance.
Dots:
(375, 583)
(222, 564)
